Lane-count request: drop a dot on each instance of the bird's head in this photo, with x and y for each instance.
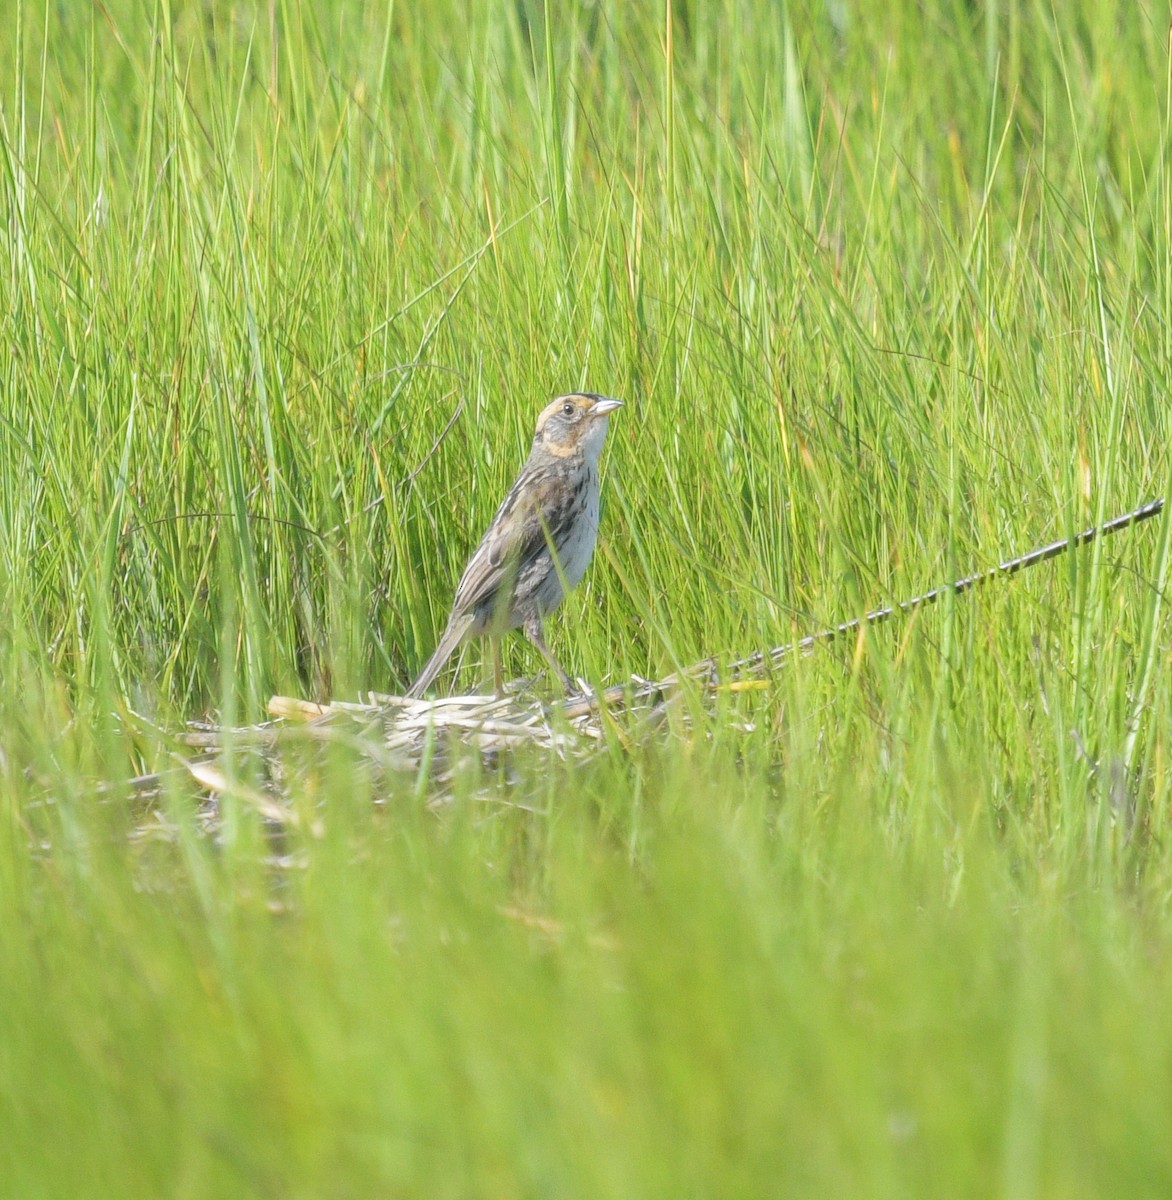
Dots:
(575, 424)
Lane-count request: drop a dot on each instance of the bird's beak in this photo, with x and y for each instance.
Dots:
(604, 406)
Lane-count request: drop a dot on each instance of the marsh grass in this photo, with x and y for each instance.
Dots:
(887, 290)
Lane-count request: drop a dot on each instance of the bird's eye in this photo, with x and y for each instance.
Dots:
(568, 409)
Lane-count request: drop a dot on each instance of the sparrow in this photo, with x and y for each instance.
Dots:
(539, 544)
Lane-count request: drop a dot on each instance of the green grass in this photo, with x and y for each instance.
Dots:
(887, 288)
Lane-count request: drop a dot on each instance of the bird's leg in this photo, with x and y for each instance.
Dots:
(498, 678)
(534, 634)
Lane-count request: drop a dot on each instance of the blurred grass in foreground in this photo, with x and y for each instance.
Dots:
(886, 288)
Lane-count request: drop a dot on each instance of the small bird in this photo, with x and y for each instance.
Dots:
(540, 541)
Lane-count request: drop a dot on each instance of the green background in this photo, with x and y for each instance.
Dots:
(886, 290)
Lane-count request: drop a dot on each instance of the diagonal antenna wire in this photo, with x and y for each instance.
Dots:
(755, 662)
(1003, 570)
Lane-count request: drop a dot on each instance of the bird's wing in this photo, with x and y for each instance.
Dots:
(538, 510)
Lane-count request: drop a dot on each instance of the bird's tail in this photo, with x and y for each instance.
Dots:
(453, 636)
